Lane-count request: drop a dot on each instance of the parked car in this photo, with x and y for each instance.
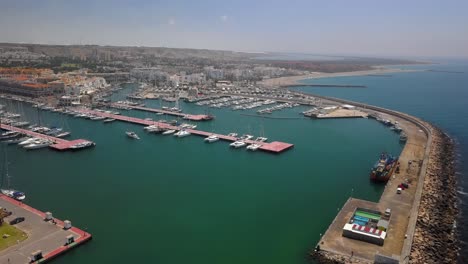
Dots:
(17, 220)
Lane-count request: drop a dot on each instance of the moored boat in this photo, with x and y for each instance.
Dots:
(182, 133)
(168, 132)
(237, 144)
(211, 138)
(17, 195)
(253, 147)
(108, 120)
(384, 168)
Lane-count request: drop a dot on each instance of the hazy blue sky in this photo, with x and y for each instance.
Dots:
(372, 27)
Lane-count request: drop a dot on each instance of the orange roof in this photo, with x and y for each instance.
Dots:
(19, 77)
(36, 85)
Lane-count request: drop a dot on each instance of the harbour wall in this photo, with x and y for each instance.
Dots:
(431, 236)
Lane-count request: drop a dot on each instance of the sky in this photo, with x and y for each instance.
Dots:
(349, 27)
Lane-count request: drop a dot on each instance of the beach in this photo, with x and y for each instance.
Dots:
(295, 80)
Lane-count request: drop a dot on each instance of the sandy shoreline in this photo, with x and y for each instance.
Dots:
(294, 80)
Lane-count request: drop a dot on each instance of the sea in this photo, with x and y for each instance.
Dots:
(164, 199)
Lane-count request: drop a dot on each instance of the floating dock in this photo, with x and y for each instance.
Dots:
(274, 147)
(59, 143)
(50, 238)
(166, 112)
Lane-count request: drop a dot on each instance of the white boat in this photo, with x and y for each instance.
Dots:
(261, 139)
(168, 132)
(182, 133)
(20, 124)
(38, 145)
(237, 144)
(81, 145)
(16, 140)
(232, 134)
(132, 134)
(98, 118)
(153, 129)
(108, 120)
(190, 126)
(247, 137)
(253, 147)
(211, 138)
(28, 141)
(17, 195)
(63, 134)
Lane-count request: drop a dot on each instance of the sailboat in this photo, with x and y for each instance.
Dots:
(17, 195)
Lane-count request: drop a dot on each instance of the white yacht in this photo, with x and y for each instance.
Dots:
(182, 133)
(81, 145)
(132, 134)
(247, 137)
(28, 141)
(108, 120)
(39, 144)
(253, 147)
(261, 139)
(212, 138)
(232, 134)
(96, 118)
(190, 126)
(62, 134)
(237, 144)
(153, 129)
(168, 132)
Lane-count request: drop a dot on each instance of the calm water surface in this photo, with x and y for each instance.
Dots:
(173, 200)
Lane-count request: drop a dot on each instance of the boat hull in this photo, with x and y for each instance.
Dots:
(377, 178)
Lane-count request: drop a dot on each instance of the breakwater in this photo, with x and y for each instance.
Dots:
(435, 239)
(328, 85)
(431, 236)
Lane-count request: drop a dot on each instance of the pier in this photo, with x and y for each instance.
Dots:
(59, 143)
(273, 147)
(51, 237)
(166, 112)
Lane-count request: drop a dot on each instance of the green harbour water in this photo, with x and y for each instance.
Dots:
(179, 200)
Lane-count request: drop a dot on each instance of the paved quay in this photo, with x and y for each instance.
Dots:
(43, 235)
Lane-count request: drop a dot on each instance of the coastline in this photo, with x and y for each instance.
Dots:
(296, 80)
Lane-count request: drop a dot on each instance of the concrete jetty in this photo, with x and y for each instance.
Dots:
(51, 237)
(58, 143)
(166, 112)
(273, 147)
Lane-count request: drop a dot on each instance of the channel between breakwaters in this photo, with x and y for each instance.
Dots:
(434, 207)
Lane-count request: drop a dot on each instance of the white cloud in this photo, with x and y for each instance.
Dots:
(224, 18)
